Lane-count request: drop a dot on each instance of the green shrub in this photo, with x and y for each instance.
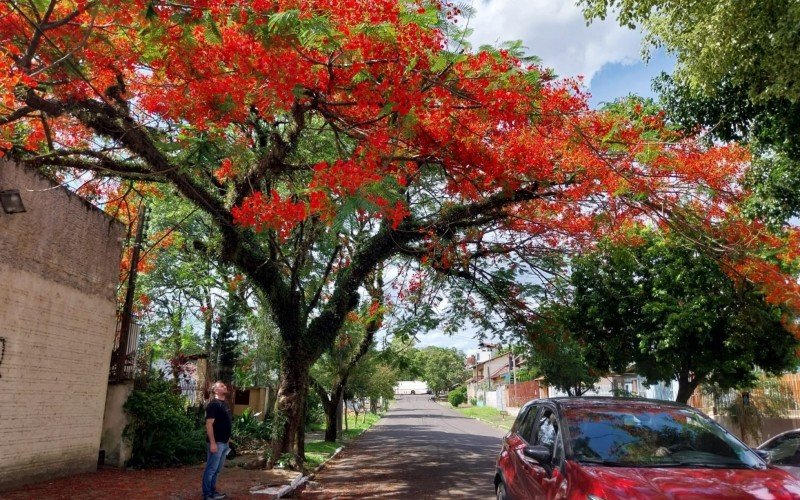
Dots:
(161, 430)
(473, 402)
(315, 412)
(457, 396)
(248, 428)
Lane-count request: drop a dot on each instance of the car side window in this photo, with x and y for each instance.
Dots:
(546, 428)
(548, 434)
(523, 414)
(786, 450)
(526, 426)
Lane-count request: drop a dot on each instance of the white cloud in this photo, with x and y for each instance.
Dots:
(556, 31)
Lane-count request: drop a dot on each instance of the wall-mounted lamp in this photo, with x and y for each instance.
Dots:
(11, 201)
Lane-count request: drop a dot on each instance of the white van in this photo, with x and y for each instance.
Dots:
(411, 387)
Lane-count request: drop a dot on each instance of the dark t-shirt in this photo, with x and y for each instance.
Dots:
(221, 413)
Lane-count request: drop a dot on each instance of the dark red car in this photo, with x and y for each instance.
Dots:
(625, 448)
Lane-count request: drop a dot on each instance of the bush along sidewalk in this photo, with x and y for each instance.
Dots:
(162, 431)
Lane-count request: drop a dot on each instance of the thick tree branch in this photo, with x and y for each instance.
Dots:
(390, 241)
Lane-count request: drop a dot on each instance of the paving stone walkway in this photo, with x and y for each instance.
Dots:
(182, 483)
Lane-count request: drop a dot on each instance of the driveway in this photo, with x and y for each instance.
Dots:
(420, 449)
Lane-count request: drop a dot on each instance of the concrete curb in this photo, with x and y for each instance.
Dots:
(289, 489)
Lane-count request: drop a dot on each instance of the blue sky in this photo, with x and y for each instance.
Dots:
(607, 56)
(617, 79)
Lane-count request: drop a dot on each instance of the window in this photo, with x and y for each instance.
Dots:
(547, 428)
(518, 421)
(651, 435)
(242, 397)
(526, 425)
(547, 434)
(785, 450)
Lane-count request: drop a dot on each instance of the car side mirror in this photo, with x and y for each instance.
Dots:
(766, 455)
(539, 453)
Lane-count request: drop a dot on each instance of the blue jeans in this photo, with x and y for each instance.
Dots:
(214, 464)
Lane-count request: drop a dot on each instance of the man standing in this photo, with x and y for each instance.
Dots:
(218, 432)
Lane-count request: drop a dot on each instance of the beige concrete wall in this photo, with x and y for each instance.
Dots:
(59, 267)
(117, 449)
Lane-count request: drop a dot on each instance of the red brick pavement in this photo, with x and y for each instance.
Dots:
(171, 484)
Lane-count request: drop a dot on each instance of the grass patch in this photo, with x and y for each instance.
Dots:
(489, 415)
(318, 451)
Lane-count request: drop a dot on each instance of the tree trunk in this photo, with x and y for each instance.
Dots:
(373, 405)
(346, 426)
(686, 387)
(269, 407)
(332, 414)
(291, 407)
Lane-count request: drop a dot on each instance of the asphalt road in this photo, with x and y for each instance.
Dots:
(419, 449)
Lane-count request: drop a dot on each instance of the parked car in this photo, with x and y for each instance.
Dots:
(628, 448)
(783, 451)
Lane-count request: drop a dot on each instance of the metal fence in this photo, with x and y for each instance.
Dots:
(190, 391)
(128, 352)
(783, 391)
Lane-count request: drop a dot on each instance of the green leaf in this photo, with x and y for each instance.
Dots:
(212, 30)
(281, 23)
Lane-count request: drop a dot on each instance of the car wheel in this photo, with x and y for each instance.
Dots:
(501, 491)
(412, 393)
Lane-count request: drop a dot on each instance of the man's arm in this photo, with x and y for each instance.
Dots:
(212, 443)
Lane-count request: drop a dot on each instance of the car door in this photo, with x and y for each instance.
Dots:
(507, 461)
(526, 482)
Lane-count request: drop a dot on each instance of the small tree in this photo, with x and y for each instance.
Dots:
(442, 368)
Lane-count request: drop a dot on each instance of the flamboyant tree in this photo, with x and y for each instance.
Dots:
(324, 138)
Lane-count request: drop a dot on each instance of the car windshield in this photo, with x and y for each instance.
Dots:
(658, 436)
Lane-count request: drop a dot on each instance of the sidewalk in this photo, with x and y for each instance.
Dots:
(173, 484)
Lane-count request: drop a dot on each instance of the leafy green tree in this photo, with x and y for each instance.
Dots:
(560, 356)
(676, 314)
(332, 373)
(194, 303)
(442, 367)
(374, 379)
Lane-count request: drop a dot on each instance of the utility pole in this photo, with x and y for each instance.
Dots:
(127, 307)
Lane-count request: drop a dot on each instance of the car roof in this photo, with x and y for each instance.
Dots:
(605, 402)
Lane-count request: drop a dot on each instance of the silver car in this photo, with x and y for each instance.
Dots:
(784, 451)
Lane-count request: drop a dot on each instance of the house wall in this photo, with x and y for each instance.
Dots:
(257, 402)
(59, 266)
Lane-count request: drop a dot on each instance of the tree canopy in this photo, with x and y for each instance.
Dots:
(441, 368)
(673, 314)
(323, 139)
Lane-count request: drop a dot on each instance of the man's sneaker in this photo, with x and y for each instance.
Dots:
(217, 496)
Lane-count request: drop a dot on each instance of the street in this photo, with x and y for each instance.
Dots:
(419, 449)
